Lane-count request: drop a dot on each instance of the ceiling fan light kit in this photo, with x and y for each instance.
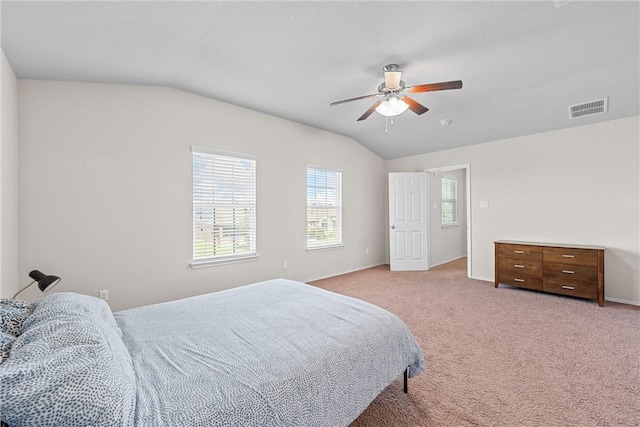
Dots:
(392, 107)
(392, 94)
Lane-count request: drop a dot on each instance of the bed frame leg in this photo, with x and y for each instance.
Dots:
(406, 376)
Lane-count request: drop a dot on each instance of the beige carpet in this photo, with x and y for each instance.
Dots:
(503, 357)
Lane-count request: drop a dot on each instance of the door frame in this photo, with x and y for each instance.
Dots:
(467, 168)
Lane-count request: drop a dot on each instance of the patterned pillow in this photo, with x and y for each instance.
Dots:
(6, 341)
(68, 367)
(13, 313)
(69, 304)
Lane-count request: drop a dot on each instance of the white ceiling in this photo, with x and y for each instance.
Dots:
(522, 63)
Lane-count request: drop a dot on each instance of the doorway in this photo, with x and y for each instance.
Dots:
(449, 216)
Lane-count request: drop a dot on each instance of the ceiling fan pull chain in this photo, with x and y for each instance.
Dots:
(386, 124)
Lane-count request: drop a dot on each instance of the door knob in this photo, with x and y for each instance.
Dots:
(393, 227)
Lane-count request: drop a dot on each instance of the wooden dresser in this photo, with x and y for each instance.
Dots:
(574, 270)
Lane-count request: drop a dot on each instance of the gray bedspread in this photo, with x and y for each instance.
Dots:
(269, 354)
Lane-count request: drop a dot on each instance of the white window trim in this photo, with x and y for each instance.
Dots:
(449, 224)
(326, 247)
(222, 261)
(230, 259)
(331, 246)
(453, 225)
(207, 150)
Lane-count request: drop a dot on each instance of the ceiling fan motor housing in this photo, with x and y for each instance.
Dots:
(382, 87)
(391, 67)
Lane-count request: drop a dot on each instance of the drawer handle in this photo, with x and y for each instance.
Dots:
(567, 271)
(519, 266)
(518, 252)
(568, 256)
(518, 280)
(568, 287)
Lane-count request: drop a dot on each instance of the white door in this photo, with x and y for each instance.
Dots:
(408, 221)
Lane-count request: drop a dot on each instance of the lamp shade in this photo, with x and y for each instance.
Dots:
(392, 79)
(43, 280)
(392, 107)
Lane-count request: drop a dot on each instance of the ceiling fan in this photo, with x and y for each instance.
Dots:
(392, 94)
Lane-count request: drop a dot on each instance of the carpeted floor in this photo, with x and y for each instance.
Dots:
(503, 357)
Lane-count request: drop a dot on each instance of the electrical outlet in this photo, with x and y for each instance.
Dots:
(285, 265)
(484, 204)
(104, 295)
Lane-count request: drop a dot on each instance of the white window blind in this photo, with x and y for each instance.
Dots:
(324, 207)
(449, 201)
(224, 206)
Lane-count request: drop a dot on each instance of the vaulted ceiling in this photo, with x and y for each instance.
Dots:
(522, 63)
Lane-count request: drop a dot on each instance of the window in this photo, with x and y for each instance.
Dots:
(224, 206)
(324, 207)
(449, 201)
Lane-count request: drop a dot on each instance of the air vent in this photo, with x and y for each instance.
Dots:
(588, 108)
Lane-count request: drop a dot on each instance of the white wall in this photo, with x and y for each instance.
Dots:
(9, 278)
(578, 185)
(446, 243)
(105, 175)
(105, 191)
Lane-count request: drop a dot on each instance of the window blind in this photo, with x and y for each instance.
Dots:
(324, 207)
(449, 201)
(224, 205)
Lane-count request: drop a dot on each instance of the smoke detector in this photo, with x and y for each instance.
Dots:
(445, 122)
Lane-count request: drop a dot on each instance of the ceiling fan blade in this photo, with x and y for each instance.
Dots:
(431, 87)
(369, 111)
(414, 105)
(355, 99)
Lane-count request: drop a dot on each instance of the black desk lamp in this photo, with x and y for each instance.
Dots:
(43, 280)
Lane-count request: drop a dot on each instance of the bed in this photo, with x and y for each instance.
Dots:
(273, 353)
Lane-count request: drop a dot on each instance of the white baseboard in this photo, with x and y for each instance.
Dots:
(623, 301)
(484, 279)
(344, 272)
(449, 260)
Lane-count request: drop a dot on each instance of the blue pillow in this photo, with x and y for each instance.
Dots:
(68, 367)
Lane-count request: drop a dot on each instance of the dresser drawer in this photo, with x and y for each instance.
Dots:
(571, 256)
(578, 273)
(565, 287)
(520, 252)
(520, 266)
(520, 280)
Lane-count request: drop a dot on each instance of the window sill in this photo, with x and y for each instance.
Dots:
(325, 248)
(449, 226)
(222, 261)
